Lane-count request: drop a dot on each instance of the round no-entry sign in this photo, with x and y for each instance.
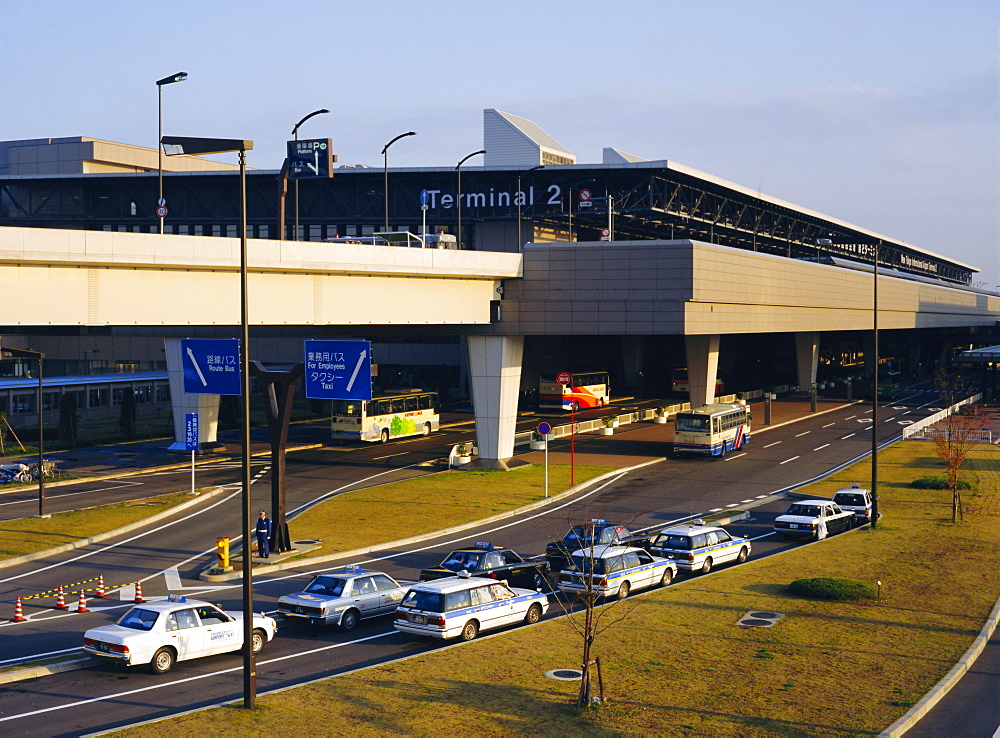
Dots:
(564, 378)
(585, 195)
(544, 428)
(161, 212)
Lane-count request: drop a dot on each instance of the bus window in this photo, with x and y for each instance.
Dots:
(425, 402)
(411, 404)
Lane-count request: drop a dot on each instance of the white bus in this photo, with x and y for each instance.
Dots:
(405, 413)
(586, 389)
(712, 430)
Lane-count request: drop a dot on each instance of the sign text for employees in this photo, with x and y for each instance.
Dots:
(338, 370)
(211, 366)
(191, 431)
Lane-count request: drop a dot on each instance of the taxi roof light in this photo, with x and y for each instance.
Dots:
(176, 598)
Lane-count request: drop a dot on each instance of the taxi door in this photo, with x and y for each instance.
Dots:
(185, 634)
(366, 597)
(390, 594)
(221, 634)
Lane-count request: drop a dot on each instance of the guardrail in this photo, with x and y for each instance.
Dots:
(916, 430)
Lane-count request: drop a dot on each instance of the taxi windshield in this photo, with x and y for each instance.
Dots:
(330, 586)
(671, 540)
(809, 511)
(138, 619)
(580, 533)
(458, 560)
(420, 600)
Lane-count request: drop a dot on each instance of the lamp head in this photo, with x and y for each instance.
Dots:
(179, 77)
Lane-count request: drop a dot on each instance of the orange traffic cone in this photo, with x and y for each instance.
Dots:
(82, 607)
(61, 600)
(138, 593)
(18, 613)
(100, 586)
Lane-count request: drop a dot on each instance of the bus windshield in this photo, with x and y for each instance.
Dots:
(691, 423)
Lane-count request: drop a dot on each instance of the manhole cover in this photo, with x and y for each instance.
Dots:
(760, 619)
(766, 615)
(756, 621)
(566, 675)
(306, 542)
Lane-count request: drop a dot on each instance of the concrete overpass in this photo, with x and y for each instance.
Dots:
(631, 288)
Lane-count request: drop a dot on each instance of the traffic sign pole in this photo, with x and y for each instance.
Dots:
(545, 429)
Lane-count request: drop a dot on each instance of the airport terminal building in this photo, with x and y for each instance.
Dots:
(633, 266)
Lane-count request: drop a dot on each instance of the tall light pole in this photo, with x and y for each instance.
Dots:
(179, 77)
(875, 388)
(385, 169)
(295, 132)
(520, 244)
(186, 145)
(458, 168)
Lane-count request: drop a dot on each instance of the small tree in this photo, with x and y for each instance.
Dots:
(69, 419)
(960, 434)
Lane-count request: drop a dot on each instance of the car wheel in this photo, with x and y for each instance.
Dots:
(533, 615)
(163, 660)
(350, 620)
(257, 641)
(623, 591)
(539, 581)
(667, 578)
(470, 631)
(742, 555)
(706, 567)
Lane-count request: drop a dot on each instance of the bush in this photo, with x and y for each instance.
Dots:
(937, 483)
(833, 588)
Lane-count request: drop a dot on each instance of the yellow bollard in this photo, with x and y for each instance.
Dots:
(222, 551)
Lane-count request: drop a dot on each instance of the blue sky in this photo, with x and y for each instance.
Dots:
(883, 113)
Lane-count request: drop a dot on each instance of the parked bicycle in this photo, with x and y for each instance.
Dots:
(49, 470)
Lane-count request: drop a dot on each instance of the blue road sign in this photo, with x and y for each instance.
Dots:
(211, 366)
(312, 158)
(424, 197)
(544, 428)
(191, 432)
(338, 370)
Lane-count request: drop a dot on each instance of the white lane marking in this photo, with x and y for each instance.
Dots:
(849, 435)
(772, 444)
(864, 420)
(798, 435)
(39, 655)
(716, 509)
(762, 497)
(173, 581)
(163, 685)
(906, 422)
(379, 458)
(829, 425)
(849, 417)
(757, 538)
(732, 504)
(787, 460)
(743, 502)
(731, 457)
(907, 412)
(49, 496)
(821, 447)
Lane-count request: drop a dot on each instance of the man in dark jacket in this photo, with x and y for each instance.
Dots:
(263, 535)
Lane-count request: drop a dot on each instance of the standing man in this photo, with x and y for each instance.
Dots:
(263, 535)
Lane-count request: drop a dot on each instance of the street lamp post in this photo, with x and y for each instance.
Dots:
(295, 132)
(875, 389)
(458, 168)
(385, 169)
(186, 145)
(39, 357)
(179, 77)
(520, 244)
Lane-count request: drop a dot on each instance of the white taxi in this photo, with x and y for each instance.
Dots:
(813, 519)
(177, 629)
(699, 547)
(462, 606)
(614, 570)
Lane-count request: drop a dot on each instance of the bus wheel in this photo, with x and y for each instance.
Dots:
(427, 429)
(385, 435)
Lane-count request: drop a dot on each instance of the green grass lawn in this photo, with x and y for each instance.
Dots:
(31, 535)
(678, 664)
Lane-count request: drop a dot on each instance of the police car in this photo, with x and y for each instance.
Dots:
(177, 629)
(614, 570)
(462, 606)
(486, 560)
(857, 500)
(699, 547)
(595, 533)
(343, 597)
(815, 519)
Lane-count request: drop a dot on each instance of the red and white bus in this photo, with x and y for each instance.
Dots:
(585, 389)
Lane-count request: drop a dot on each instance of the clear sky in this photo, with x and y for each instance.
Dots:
(883, 113)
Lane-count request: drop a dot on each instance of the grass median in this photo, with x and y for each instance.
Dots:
(403, 509)
(31, 535)
(679, 664)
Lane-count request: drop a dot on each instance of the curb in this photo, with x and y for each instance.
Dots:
(426, 536)
(73, 545)
(39, 671)
(939, 690)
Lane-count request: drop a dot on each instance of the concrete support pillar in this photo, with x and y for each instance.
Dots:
(495, 377)
(632, 355)
(181, 403)
(703, 366)
(806, 358)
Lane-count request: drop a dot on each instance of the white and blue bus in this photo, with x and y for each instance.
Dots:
(712, 430)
